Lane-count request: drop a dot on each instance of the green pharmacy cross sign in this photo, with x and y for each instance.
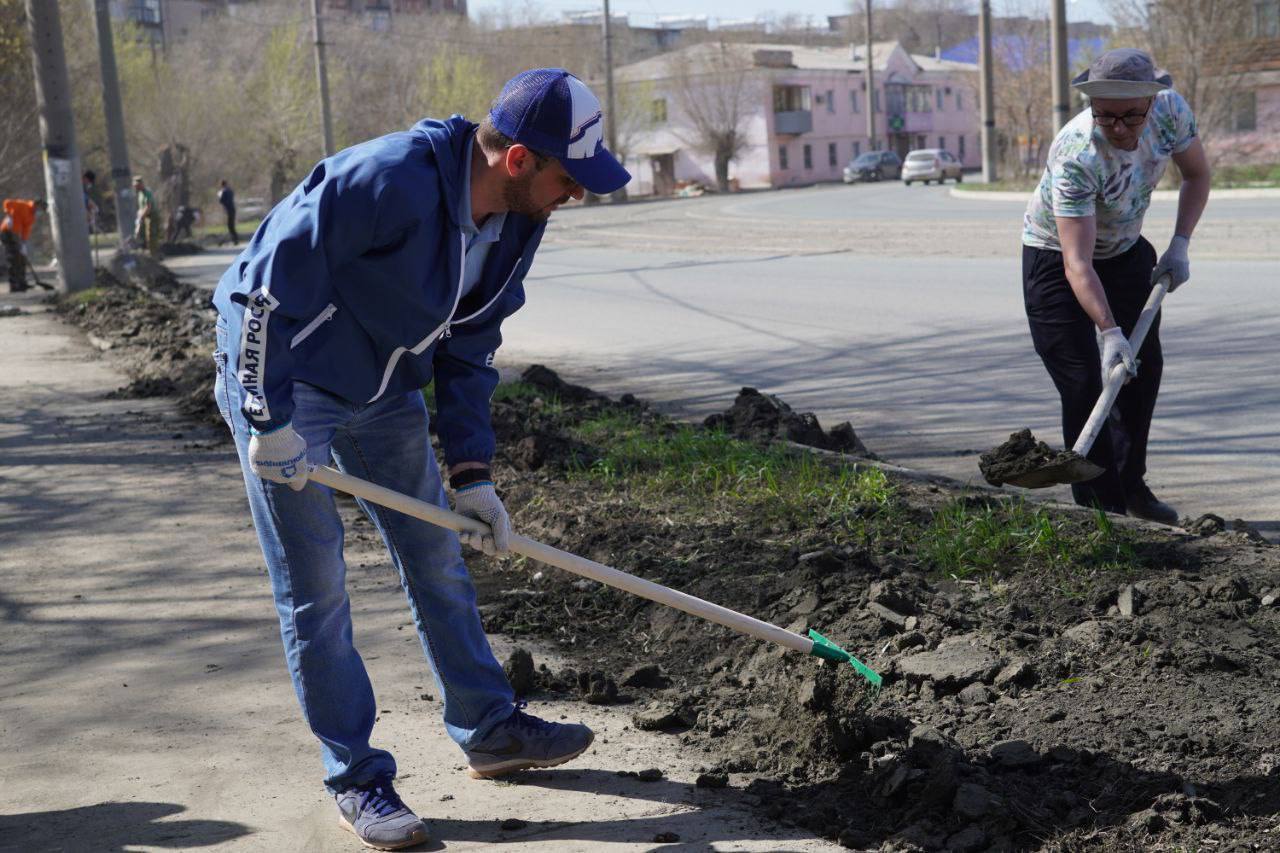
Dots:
(897, 122)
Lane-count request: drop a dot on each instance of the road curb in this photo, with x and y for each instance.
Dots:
(1158, 195)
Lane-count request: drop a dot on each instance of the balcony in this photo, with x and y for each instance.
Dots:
(792, 122)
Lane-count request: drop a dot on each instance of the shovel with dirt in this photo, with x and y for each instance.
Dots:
(1024, 461)
(814, 644)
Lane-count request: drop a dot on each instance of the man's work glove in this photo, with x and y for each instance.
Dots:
(1173, 263)
(1116, 350)
(280, 456)
(478, 499)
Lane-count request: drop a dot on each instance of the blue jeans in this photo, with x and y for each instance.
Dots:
(301, 536)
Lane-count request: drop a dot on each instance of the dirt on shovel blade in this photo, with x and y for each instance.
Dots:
(1025, 461)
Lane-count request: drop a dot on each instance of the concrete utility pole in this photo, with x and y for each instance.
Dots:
(1059, 60)
(322, 77)
(988, 92)
(61, 160)
(610, 115)
(871, 87)
(126, 203)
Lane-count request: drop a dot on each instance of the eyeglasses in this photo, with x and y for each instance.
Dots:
(1129, 119)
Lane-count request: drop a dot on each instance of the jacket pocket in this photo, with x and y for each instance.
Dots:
(310, 329)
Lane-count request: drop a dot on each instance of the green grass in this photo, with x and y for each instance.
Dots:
(1247, 176)
(689, 465)
(968, 538)
(85, 297)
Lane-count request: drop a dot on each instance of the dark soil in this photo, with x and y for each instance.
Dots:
(1020, 455)
(161, 330)
(1134, 710)
(761, 417)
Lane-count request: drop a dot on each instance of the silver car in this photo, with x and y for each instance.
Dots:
(931, 164)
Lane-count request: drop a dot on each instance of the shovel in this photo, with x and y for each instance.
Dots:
(1073, 467)
(815, 644)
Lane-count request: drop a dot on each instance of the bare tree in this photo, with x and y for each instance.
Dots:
(1203, 44)
(20, 141)
(715, 89)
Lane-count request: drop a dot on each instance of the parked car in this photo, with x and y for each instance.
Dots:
(873, 166)
(931, 164)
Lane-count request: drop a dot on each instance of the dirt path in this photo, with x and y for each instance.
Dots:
(143, 701)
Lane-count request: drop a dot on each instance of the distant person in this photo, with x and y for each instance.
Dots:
(15, 231)
(392, 265)
(1087, 271)
(227, 198)
(146, 228)
(88, 182)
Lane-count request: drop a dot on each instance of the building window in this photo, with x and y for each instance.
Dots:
(1266, 19)
(942, 143)
(875, 101)
(960, 142)
(790, 99)
(959, 103)
(782, 157)
(853, 101)
(920, 141)
(832, 159)
(939, 92)
(919, 99)
(1244, 112)
(658, 110)
(857, 149)
(831, 101)
(808, 156)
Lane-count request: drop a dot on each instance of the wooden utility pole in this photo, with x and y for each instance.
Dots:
(871, 87)
(1059, 59)
(126, 203)
(322, 77)
(61, 160)
(988, 93)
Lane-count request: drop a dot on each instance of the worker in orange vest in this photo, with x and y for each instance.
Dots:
(15, 231)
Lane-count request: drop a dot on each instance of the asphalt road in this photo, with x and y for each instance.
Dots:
(899, 309)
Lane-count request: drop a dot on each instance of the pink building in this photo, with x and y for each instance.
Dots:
(801, 110)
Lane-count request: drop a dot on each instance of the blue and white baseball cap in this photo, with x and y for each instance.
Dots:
(554, 113)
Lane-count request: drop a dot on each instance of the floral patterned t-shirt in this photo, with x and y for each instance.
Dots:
(1087, 176)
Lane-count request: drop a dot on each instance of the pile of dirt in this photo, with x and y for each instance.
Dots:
(161, 330)
(763, 417)
(1022, 454)
(1136, 710)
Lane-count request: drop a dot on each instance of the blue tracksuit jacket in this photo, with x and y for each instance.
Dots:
(352, 284)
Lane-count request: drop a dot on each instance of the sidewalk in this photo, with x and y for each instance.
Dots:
(144, 703)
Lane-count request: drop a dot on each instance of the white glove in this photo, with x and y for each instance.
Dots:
(481, 501)
(280, 456)
(1115, 350)
(1173, 263)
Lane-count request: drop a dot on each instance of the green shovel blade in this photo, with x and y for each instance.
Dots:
(824, 648)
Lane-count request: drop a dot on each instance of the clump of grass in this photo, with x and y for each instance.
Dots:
(86, 297)
(967, 538)
(686, 463)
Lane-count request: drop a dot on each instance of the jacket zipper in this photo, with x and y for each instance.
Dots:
(309, 329)
(448, 328)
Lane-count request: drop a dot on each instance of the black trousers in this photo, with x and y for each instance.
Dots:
(17, 263)
(231, 224)
(1066, 341)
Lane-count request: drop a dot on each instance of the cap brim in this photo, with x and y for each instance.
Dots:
(1120, 88)
(601, 174)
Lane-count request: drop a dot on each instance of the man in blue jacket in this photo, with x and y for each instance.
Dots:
(392, 265)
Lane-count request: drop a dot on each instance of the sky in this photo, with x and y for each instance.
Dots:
(646, 12)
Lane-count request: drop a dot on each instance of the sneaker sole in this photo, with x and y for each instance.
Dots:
(426, 836)
(526, 764)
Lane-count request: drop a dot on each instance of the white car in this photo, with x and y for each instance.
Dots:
(931, 164)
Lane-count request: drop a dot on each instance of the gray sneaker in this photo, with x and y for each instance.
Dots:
(378, 817)
(523, 741)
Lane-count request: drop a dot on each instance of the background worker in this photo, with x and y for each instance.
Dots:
(1087, 270)
(227, 198)
(146, 228)
(393, 265)
(15, 231)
